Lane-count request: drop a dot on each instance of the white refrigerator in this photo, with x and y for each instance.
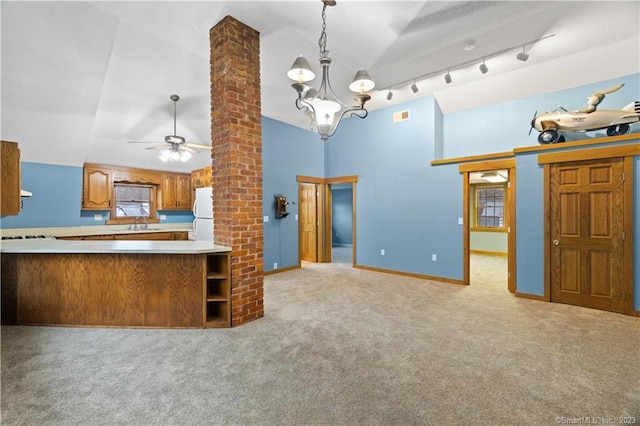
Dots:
(203, 212)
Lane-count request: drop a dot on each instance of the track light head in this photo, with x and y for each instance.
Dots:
(389, 95)
(522, 56)
(414, 88)
(483, 68)
(447, 78)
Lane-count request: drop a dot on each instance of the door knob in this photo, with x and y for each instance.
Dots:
(556, 242)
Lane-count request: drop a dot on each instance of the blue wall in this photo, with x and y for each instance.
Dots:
(402, 205)
(57, 197)
(504, 126)
(287, 151)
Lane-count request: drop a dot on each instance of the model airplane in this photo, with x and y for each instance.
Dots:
(617, 122)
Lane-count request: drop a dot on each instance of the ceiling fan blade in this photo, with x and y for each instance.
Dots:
(197, 145)
(143, 141)
(189, 149)
(160, 147)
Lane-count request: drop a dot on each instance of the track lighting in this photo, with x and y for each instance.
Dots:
(447, 78)
(414, 88)
(522, 56)
(483, 67)
(389, 95)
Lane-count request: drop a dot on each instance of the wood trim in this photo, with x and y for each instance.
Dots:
(546, 237)
(341, 179)
(487, 165)
(409, 274)
(627, 225)
(511, 235)
(309, 179)
(531, 296)
(328, 237)
(573, 144)
(466, 236)
(489, 253)
(353, 224)
(497, 230)
(482, 157)
(590, 154)
(277, 271)
(299, 226)
(320, 227)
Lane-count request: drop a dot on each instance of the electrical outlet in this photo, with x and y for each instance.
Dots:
(381, 252)
(434, 257)
(275, 265)
(97, 217)
(163, 217)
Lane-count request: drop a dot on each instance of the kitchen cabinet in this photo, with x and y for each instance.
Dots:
(10, 179)
(201, 178)
(97, 187)
(175, 191)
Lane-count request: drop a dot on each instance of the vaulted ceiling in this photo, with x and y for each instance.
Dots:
(81, 79)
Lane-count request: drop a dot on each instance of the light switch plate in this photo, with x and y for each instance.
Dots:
(460, 221)
(163, 217)
(97, 217)
(265, 219)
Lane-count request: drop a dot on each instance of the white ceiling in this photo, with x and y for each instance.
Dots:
(80, 79)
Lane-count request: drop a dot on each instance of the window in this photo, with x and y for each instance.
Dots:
(133, 201)
(489, 206)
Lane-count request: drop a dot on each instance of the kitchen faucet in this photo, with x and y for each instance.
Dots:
(135, 223)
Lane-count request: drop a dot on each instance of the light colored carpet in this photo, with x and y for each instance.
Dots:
(337, 346)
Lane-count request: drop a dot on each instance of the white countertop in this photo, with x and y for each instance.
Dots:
(50, 245)
(96, 230)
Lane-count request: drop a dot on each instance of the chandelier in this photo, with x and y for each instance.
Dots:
(175, 153)
(322, 105)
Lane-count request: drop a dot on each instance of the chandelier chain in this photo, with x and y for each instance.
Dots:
(322, 41)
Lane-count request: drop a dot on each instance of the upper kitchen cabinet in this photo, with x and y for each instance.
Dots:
(175, 191)
(10, 179)
(97, 187)
(201, 178)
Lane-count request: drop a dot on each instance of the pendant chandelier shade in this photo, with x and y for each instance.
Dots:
(322, 105)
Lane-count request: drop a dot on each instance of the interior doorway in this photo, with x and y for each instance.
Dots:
(315, 221)
(489, 222)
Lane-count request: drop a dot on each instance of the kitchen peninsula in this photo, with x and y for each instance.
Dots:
(116, 283)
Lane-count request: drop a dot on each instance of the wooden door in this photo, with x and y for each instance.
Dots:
(587, 233)
(308, 222)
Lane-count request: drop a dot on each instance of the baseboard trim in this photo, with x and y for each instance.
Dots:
(277, 271)
(411, 274)
(531, 296)
(489, 253)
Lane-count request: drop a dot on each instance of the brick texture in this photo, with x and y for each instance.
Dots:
(236, 157)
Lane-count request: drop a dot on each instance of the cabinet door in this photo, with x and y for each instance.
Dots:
(10, 179)
(97, 188)
(207, 178)
(168, 187)
(183, 192)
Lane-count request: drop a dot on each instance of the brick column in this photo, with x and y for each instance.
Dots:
(236, 157)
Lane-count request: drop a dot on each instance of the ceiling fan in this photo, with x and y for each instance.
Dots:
(175, 147)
